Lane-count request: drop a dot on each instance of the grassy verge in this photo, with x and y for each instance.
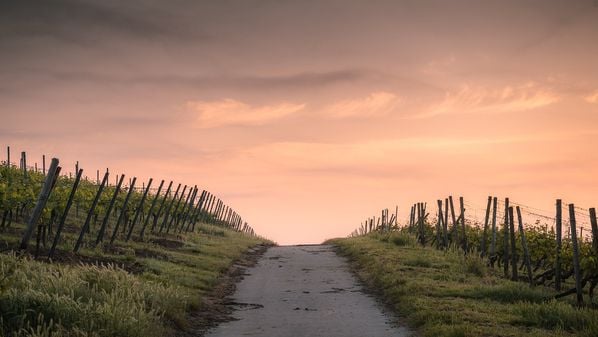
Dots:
(133, 289)
(447, 294)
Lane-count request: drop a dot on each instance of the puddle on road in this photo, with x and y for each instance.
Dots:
(243, 306)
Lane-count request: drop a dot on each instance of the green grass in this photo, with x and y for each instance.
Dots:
(71, 299)
(447, 294)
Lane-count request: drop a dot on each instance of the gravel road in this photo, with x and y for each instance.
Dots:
(304, 291)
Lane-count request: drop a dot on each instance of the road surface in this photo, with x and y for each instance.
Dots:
(298, 291)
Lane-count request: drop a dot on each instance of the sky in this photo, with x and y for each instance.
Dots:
(307, 117)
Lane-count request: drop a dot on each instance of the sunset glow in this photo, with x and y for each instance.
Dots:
(308, 117)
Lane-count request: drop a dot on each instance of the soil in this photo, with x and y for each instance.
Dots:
(170, 244)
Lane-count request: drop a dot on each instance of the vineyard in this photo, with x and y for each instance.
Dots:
(454, 274)
(44, 200)
(87, 258)
(538, 253)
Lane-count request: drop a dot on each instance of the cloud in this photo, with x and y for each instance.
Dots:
(592, 98)
(226, 112)
(376, 104)
(478, 99)
(283, 82)
(82, 22)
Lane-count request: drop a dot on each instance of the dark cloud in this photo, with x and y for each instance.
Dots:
(83, 22)
(296, 80)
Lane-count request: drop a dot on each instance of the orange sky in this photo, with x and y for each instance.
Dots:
(308, 117)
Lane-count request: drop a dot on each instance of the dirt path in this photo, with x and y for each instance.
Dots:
(304, 291)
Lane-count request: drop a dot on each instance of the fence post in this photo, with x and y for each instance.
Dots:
(576, 267)
(198, 209)
(42, 198)
(514, 256)
(419, 225)
(559, 235)
(65, 213)
(187, 211)
(594, 224)
(162, 203)
(24, 160)
(528, 265)
(439, 224)
(85, 227)
(506, 240)
(123, 210)
(138, 210)
(454, 229)
(165, 220)
(176, 208)
(153, 205)
(486, 221)
(462, 207)
(109, 210)
(493, 243)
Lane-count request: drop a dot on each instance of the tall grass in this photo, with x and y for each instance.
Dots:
(38, 299)
(447, 293)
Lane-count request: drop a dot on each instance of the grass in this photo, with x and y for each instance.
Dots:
(136, 289)
(442, 293)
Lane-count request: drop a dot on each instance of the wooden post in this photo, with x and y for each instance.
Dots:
(176, 209)
(444, 224)
(203, 212)
(493, 244)
(65, 213)
(206, 208)
(439, 224)
(505, 256)
(454, 229)
(198, 209)
(8, 156)
(576, 266)
(165, 220)
(42, 199)
(139, 208)
(187, 210)
(123, 210)
(24, 159)
(162, 203)
(526, 257)
(109, 210)
(486, 222)
(462, 207)
(419, 223)
(153, 205)
(559, 239)
(212, 208)
(594, 224)
(514, 256)
(44, 164)
(85, 227)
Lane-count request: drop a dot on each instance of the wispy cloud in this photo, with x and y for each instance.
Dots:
(478, 99)
(592, 98)
(375, 104)
(211, 114)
